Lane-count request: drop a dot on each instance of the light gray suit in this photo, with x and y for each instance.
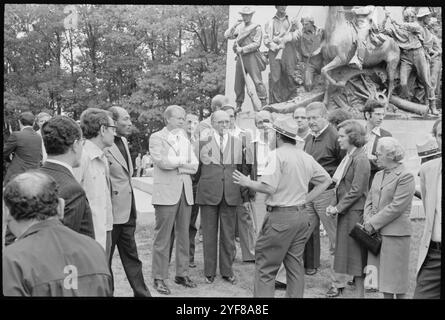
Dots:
(172, 199)
(429, 260)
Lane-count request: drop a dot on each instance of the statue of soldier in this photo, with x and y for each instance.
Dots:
(282, 59)
(247, 38)
(308, 43)
(432, 46)
(409, 37)
(363, 22)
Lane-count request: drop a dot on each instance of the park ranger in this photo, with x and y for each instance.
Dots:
(284, 232)
(247, 38)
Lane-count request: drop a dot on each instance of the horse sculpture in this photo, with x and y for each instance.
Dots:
(339, 46)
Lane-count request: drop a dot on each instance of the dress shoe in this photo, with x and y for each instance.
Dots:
(185, 281)
(372, 290)
(280, 285)
(249, 261)
(351, 282)
(210, 279)
(310, 272)
(230, 279)
(334, 292)
(192, 264)
(161, 287)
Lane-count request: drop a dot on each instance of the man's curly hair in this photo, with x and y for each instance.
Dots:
(31, 195)
(59, 134)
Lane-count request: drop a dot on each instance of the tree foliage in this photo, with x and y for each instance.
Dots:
(143, 57)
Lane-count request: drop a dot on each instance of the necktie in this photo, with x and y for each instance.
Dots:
(221, 146)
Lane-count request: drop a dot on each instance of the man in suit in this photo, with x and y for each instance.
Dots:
(429, 261)
(64, 144)
(219, 155)
(205, 128)
(374, 112)
(123, 204)
(26, 145)
(174, 162)
(244, 226)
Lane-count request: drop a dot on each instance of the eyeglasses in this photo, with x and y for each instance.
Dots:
(110, 126)
(300, 117)
(263, 121)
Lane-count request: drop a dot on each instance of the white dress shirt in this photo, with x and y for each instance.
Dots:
(262, 155)
(371, 139)
(218, 137)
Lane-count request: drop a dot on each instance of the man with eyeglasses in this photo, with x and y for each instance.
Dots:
(64, 144)
(245, 214)
(93, 173)
(219, 155)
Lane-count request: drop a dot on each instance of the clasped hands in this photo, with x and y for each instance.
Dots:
(331, 211)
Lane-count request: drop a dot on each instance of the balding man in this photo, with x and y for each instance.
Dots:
(219, 155)
(123, 204)
(205, 126)
(48, 259)
(174, 162)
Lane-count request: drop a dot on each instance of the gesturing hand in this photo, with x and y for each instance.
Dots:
(239, 178)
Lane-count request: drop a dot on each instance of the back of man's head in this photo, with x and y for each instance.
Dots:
(116, 112)
(26, 118)
(91, 120)
(59, 134)
(218, 102)
(31, 195)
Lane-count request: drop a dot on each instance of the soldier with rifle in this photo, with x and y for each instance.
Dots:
(247, 38)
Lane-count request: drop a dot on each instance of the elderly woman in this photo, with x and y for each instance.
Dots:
(387, 211)
(352, 179)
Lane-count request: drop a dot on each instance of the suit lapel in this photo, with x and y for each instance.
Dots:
(391, 176)
(130, 170)
(378, 179)
(115, 152)
(164, 134)
(348, 164)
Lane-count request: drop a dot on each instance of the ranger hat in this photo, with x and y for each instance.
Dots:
(423, 11)
(427, 148)
(286, 126)
(247, 10)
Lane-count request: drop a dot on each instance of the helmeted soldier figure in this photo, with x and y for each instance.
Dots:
(247, 38)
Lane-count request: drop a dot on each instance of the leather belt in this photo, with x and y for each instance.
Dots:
(436, 245)
(296, 208)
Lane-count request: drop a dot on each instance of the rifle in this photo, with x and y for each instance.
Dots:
(280, 51)
(256, 106)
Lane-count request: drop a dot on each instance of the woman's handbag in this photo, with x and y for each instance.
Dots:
(371, 241)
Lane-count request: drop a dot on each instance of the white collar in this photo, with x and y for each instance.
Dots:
(376, 131)
(351, 152)
(26, 127)
(64, 164)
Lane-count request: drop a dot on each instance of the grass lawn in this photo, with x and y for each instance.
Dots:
(315, 286)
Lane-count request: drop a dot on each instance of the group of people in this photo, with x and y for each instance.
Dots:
(66, 214)
(291, 50)
(143, 164)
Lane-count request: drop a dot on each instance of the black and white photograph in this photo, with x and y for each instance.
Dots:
(222, 151)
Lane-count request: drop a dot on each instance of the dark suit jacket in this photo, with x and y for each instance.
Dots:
(215, 179)
(77, 214)
(27, 148)
(353, 187)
